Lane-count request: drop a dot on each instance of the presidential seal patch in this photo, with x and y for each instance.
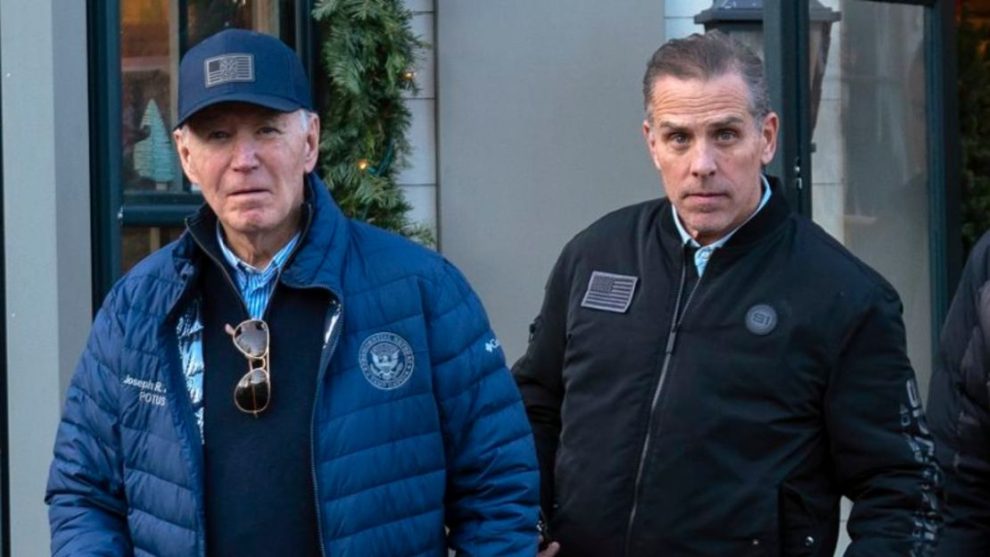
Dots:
(386, 360)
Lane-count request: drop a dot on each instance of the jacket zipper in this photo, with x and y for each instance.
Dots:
(226, 275)
(337, 309)
(675, 325)
(323, 358)
(230, 282)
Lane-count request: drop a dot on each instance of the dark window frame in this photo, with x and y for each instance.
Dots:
(105, 143)
(944, 159)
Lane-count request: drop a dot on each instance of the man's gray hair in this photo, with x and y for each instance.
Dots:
(705, 57)
(307, 118)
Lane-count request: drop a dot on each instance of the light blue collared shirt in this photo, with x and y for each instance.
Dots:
(704, 253)
(256, 285)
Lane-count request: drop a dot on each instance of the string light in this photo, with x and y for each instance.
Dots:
(409, 75)
(362, 165)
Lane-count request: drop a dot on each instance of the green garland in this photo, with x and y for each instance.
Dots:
(974, 123)
(368, 51)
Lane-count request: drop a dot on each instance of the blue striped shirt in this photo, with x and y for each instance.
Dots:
(256, 285)
(704, 253)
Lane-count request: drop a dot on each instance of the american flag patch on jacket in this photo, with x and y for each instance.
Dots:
(229, 68)
(609, 292)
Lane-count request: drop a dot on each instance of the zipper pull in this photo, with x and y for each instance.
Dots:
(671, 340)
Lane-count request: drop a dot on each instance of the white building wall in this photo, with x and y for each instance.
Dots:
(46, 235)
(540, 114)
(678, 19)
(419, 180)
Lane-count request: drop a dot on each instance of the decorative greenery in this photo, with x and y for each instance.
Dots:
(974, 124)
(368, 51)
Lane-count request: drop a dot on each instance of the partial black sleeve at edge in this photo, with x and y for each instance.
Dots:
(959, 412)
(539, 376)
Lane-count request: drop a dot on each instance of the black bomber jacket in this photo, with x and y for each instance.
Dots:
(734, 431)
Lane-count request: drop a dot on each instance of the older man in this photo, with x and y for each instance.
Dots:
(283, 380)
(709, 372)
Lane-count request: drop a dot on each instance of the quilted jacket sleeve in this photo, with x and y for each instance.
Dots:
(882, 450)
(87, 510)
(492, 486)
(959, 411)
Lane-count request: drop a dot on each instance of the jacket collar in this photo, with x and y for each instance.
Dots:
(319, 257)
(760, 226)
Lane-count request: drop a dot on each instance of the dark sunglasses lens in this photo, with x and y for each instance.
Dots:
(252, 392)
(252, 338)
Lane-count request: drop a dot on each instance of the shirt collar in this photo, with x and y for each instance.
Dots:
(243, 269)
(687, 240)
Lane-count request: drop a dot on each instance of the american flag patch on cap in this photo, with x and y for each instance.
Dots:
(228, 68)
(609, 292)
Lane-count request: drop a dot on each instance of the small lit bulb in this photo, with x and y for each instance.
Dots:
(409, 75)
(362, 165)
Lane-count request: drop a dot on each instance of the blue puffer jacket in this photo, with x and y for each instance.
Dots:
(450, 447)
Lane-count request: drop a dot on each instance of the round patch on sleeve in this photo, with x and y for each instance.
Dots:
(761, 319)
(386, 360)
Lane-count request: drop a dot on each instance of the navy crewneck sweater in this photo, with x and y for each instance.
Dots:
(259, 493)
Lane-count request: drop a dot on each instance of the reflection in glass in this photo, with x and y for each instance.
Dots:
(148, 47)
(154, 33)
(205, 17)
(870, 168)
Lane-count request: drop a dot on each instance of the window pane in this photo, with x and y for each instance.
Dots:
(139, 241)
(870, 168)
(275, 17)
(149, 48)
(154, 33)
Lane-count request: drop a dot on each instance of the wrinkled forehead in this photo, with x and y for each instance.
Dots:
(720, 99)
(715, 121)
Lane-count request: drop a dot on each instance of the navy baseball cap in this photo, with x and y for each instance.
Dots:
(242, 66)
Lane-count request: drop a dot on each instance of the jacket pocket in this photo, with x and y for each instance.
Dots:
(807, 524)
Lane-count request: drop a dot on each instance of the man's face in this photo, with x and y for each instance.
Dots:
(250, 163)
(709, 151)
